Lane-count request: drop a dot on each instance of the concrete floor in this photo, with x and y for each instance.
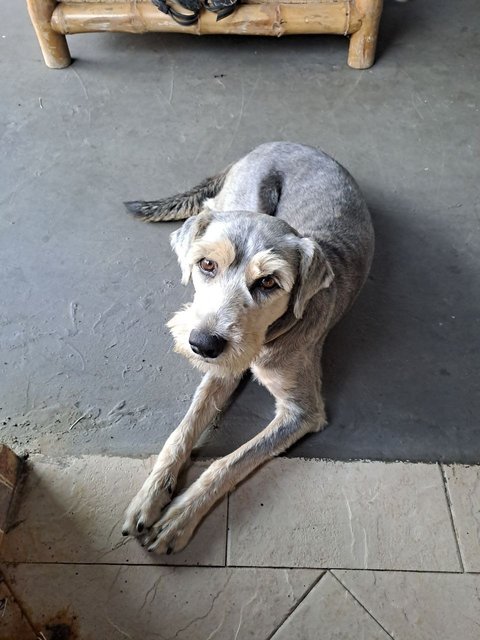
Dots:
(86, 364)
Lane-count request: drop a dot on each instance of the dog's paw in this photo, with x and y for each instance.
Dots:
(147, 505)
(177, 525)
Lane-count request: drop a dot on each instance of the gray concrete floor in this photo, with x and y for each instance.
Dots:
(86, 290)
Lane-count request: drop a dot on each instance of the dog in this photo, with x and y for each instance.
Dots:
(278, 246)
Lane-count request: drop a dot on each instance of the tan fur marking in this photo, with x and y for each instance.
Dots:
(267, 263)
(280, 382)
(221, 250)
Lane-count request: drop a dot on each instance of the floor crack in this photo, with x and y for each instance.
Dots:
(205, 615)
(450, 512)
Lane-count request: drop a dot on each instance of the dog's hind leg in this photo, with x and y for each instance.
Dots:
(210, 398)
(297, 415)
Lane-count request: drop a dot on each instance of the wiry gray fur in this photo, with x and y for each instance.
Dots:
(306, 210)
(180, 206)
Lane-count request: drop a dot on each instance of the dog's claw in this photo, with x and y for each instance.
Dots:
(146, 507)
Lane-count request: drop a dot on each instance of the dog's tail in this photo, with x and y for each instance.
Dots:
(180, 206)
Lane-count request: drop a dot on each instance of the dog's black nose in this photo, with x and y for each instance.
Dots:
(206, 345)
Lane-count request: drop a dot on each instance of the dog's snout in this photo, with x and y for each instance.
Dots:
(206, 345)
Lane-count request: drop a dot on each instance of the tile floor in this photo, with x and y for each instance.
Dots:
(302, 549)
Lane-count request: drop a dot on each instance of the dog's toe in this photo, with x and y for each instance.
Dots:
(145, 509)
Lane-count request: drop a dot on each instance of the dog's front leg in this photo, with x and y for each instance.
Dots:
(156, 492)
(175, 528)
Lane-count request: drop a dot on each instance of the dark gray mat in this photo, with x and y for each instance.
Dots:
(85, 359)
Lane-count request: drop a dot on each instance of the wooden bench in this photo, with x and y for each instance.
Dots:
(358, 19)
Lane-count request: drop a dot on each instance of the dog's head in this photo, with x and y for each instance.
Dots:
(247, 270)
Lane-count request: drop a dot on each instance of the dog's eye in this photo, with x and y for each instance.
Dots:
(208, 266)
(267, 283)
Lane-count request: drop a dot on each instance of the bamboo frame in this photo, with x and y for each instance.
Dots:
(363, 43)
(248, 19)
(53, 45)
(358, 18)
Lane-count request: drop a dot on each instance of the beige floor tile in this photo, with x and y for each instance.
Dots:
(299, 513)
(153, 602)
(463, 484)
(329, 612)
(419, 606)
(71, 510)
(13, 625)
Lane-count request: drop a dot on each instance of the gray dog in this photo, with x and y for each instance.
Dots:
(278, 246)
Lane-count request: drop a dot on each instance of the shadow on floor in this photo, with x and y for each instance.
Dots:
(400, 369)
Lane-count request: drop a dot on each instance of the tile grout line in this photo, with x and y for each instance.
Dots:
(361, 605)
(450, 512)
(295, 607)
(15, 563)
(19, 605)
(227, 531)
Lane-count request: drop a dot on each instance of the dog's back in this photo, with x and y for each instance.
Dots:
(301, 185)
(315, 195)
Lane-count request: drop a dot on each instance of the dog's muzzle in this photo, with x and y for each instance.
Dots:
(206, 345)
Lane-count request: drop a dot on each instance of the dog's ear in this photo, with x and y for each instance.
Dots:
(182, 239)
(314, 273)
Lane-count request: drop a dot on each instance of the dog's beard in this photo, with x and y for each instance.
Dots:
(244, 344)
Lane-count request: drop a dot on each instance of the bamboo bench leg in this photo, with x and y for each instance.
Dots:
(53, 45)
(361, 52)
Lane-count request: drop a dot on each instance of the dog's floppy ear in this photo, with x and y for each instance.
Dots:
(314, 273)
(182, 239)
